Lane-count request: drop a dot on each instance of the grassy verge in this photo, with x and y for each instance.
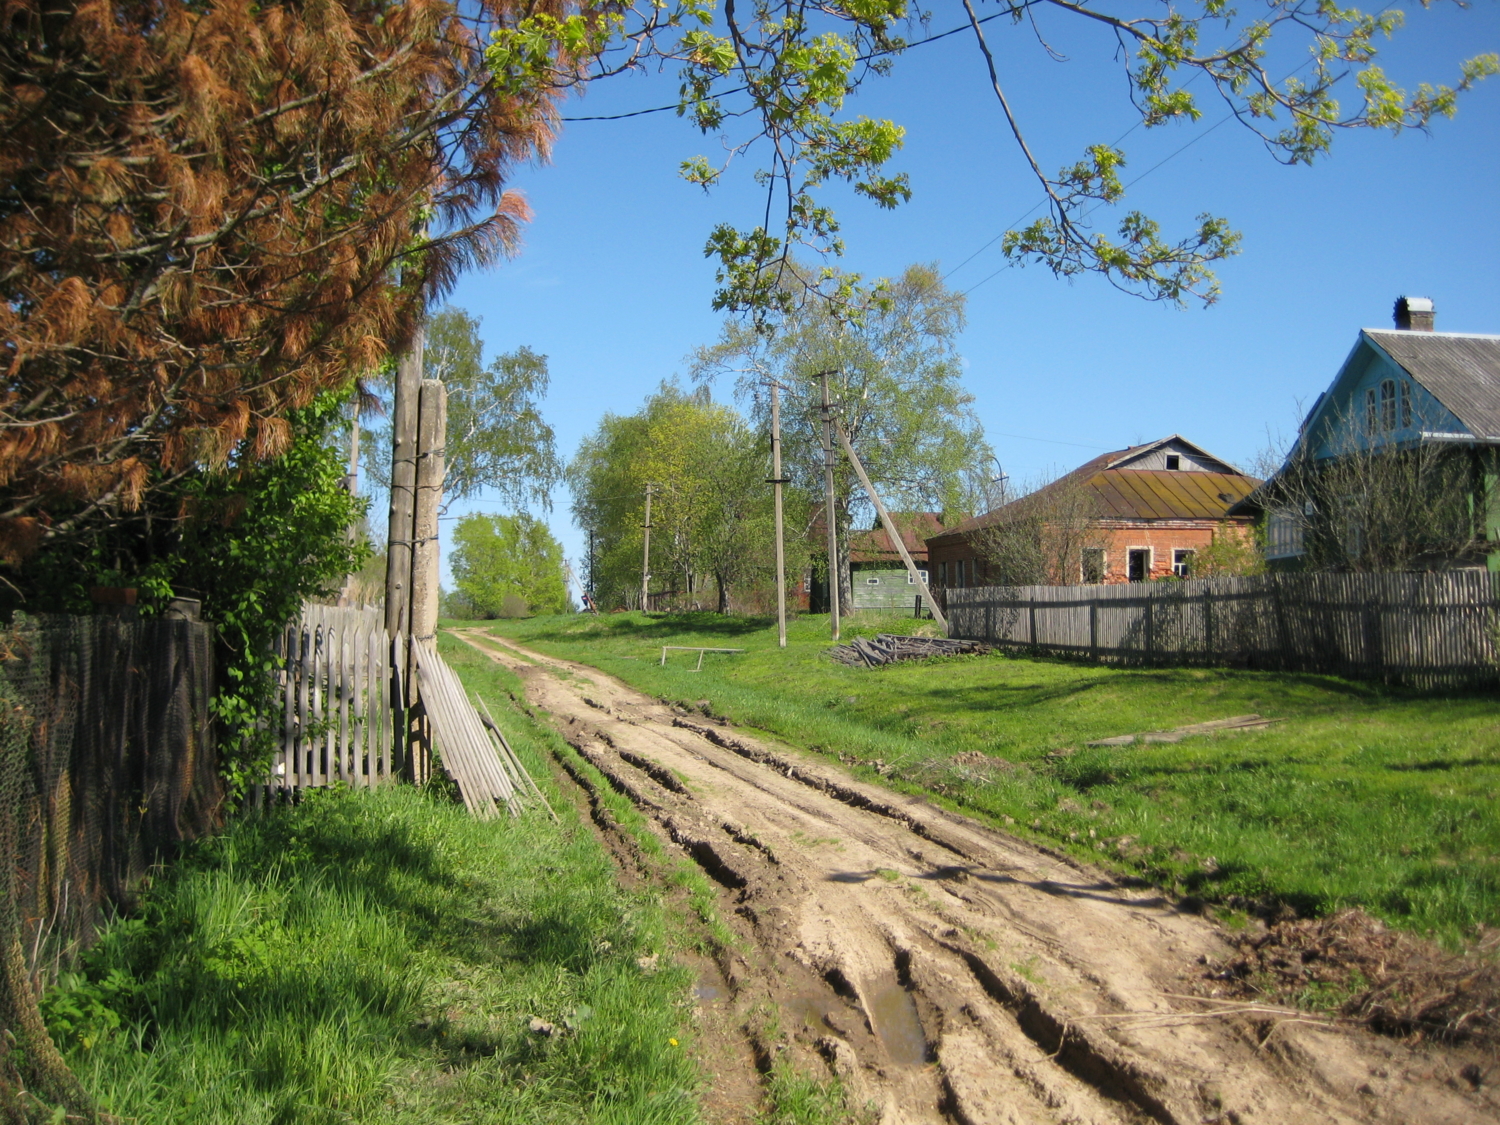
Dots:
(1360, 796)
(380, 957)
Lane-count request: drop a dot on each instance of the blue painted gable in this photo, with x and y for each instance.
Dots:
(1339, 421)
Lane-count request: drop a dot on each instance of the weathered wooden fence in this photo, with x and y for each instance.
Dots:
(338, 690)
(1426, 630)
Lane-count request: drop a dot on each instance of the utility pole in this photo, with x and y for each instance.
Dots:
(403, 493)
(892, 530)
(828, 518)
(776, 483)
(646, 555)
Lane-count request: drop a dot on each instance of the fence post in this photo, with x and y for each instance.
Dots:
(1093, 630)
(1150, 627)
(1208, 627)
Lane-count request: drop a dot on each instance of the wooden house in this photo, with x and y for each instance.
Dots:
(877, 576)
(1408, 392)
(1144, 512)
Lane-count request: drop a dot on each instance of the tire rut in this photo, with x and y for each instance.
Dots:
(948, 972)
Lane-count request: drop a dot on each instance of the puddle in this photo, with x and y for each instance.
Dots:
(895, 1015)
(708, 993)
(814, 1010)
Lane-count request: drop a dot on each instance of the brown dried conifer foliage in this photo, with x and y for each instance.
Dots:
(209, 214)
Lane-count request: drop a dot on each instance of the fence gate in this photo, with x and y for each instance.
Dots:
(338, 690)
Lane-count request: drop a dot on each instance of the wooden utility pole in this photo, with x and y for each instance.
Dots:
(776, 483)
(432, 426)
(403, 492)
(891, 529)
(828, 517)
(646, 556)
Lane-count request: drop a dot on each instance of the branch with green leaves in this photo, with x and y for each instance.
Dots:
(772, 82)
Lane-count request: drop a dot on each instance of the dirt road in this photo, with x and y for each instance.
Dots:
(952, 973)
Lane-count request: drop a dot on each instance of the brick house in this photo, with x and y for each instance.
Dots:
(1150, 507)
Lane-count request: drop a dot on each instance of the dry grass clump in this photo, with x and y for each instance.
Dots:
(1393, 981)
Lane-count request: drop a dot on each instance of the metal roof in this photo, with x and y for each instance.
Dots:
(875, 545)
(1129, 494)
(1461, 370)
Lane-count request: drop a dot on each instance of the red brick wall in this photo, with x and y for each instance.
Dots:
(1161, 537)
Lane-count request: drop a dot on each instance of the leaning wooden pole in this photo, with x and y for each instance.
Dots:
(891, 529)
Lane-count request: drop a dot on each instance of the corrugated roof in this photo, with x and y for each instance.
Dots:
(1461, 370)
(1129, 494)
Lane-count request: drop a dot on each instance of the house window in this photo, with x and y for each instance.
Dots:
(959, 581)
(1138, 564)
(1174, 462)
(1372, 412)
(872, 582)
(1387, 405)
(943, 573)
(1182, 563)
(910, 581)
(1285, 529)
(1405, 405)
(1093, 565)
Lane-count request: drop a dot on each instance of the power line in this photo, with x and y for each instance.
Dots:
(1172, 156)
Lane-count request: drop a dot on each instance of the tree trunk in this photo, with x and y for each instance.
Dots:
(723, 592)
(845, 580)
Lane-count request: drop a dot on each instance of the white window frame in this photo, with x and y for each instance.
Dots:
(1150, 562)
(1083, 572)
(1286, 533)
(1182, 561)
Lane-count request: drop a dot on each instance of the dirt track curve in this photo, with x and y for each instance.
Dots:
(952, 973)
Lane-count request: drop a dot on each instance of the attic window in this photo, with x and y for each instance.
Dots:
(1387, 405)
(1174, 462)
(1405, 405)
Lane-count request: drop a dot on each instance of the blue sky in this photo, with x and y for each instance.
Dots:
(611, 283)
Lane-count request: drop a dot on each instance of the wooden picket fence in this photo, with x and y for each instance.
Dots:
(338, 691)
(1424, 630)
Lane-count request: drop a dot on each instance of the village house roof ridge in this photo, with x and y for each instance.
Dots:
(1126, 493)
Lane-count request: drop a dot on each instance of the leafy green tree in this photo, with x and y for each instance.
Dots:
(253, 542)
(774, 77)
(508, 566)
(897, 385)
(496, 435)
(711, 511)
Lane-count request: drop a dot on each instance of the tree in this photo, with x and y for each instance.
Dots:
(896, 380)
(253, 545)
(496, 436)
(780, 73)
(508, 566)
(1043, 538)
(711, 509)
(1369, 506)
(210, 214)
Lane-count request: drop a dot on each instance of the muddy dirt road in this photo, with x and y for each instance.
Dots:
(949, 972)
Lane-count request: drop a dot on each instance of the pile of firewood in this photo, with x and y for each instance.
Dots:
(887, 648)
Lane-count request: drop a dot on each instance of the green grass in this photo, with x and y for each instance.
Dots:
(1361, 796)
(378, 957)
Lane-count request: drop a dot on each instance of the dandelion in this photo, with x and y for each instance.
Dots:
(673, 1042)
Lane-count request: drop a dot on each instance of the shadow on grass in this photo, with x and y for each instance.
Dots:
(657, 627)
(1437, 764)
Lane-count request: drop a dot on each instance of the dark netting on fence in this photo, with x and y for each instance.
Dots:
(107, 764)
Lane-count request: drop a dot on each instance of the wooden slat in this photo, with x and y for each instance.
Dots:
(1431, 630)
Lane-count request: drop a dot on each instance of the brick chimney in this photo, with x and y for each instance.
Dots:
(1415, 314)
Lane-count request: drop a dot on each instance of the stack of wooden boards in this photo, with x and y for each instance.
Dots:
(887, 648)
(473, 752)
